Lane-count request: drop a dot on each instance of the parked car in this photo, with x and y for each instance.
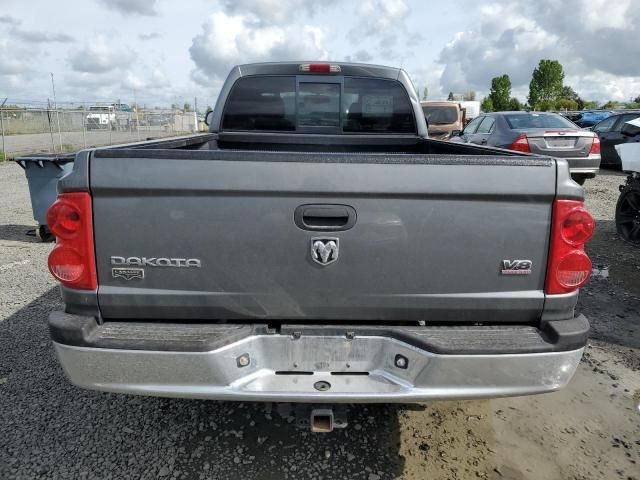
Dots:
(537, 132)
(628, 206)
(443, 117)
(317, 247)
(614, 131)
(588, 119)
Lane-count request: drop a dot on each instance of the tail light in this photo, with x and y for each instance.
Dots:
(569, 267)
(521, 144)
(72, 260)
(319, 68)
(595, 146)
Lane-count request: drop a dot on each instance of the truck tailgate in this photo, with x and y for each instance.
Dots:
(428, 243)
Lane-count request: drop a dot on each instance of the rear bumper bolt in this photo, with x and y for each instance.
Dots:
(401, 361)
(243, 360)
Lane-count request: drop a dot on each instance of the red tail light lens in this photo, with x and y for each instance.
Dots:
(569, 267)
(578, 226)
(63, 219)
(72, 260)
(595, 146)
(521, 144)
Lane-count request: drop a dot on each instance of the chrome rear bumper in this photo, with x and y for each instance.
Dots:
(589, 165)
(282, 368)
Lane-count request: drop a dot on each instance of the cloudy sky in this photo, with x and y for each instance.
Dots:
(168, 51)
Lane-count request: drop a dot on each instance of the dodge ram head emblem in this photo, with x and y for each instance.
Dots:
(324, 250)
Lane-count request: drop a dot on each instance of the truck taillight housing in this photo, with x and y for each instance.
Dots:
(72, 260)
(569, 267)
(521, 144)
(595, 145)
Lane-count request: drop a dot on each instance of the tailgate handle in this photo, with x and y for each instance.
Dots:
(325, 218)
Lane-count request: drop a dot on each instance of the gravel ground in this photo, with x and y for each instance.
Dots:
(50, 429)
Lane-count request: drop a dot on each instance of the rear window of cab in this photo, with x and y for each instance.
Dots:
(537, 120)
(308, 104)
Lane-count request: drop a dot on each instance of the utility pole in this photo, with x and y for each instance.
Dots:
(55, 105)
(195, 114)
(135, 102)
(53, 145)
(4, 152)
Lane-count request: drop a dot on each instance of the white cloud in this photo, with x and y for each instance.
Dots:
(275, 12)
(603, 14)
(149, 36)
(9, 20)
(33, 36)
(139, 7)
(384, 22)
(169, 50)
(13, 59)
(379, 16)
(153, 79)
(228, 40)
(99, 56)
(360, 56)
(595, 44)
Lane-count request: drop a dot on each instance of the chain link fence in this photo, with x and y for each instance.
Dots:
(31, 130)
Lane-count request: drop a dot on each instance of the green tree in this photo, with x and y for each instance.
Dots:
(590, 105)
(500, 93)
(546, 83)
(486, 105)
(566, 104)
(450, 97)
(637, 99)
(515, 105)
(186, 107)
(569, 93)
(610, 105)
(425, 93)
(545, 106)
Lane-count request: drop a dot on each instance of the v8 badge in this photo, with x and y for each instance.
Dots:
(516, 267)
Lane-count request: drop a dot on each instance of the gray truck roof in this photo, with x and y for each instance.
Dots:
(293, 68)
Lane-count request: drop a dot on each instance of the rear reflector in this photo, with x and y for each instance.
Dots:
(595, 146)
(573, 270)
(568, 267)
(521, 144)
(319, 68)
(72, 260)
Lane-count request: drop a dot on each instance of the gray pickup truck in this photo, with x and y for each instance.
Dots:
(316, 246)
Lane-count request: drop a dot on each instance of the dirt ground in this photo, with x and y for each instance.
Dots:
(591, 429)
(50, 429)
